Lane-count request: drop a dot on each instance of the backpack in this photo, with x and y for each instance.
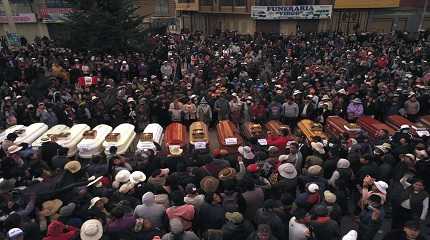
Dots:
(230, 202)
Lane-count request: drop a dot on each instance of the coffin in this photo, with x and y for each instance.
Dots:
(396, 121)
(124, 136)
(31, 133)
(371, 126)
(54, 132)
(92, 141)
(276, 127)
(425, 120)
(12, 129)
(336, 126)
(152, 133)
(228, 136)
(71, 141)
(311, 129)
(176, 136)
(199, 133)
(252, 130)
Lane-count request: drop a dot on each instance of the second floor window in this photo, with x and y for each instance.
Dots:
(186, 1)
(240, 3)
(226, 2)
(268, 2)
(206, 2)
(161, 8)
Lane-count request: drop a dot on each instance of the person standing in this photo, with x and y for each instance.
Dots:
(290, 112)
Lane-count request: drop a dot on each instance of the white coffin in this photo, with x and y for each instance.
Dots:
(12, 129)
(31, 133)
(57, 129)
(76, 135)
(89, 147)
(154, 129)
(126, 137)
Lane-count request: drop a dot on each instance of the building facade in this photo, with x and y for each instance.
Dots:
(348, 16)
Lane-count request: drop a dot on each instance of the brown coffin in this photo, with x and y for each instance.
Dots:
(253, 130)
(226, 131)
(175, 134)
(336, 126)
(276, 127)
(371, 126)
(311, 129)
(396, 121)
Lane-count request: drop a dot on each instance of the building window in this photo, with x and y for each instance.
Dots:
(206, 2)
(240, 3)
(307, 2)
(226, 2)
(161, 8)
(268, 2)
(186, 1)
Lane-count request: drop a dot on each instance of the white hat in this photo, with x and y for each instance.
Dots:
(351, 235)
(93, 201)
(94, 98)
(18, 97)
(7, 98)
(124, 62)
(296, 92)
(405, 126)
(122, 176)
(329, 197)
(313, 188)
(14, 233)
(283, 157)
(319, 147)
(93, 180)
(130, 99)
(91, 230)
(343, 163)
(13, 149)
(381, 186)
(356, 100)
(287, 170)
(137, 177)
(246, 152)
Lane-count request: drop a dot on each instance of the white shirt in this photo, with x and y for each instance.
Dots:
(297, 230)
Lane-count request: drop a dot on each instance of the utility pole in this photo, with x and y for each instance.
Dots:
(421, 27)
(10, 21)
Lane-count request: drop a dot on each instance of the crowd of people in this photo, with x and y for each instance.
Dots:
(292, 189)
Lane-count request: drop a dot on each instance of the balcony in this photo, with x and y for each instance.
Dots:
(187, 5)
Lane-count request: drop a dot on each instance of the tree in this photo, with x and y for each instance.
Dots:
(105, 26)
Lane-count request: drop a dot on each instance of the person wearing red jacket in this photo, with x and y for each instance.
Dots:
(59, 231)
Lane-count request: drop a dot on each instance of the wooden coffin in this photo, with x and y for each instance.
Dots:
(175, 136)
(252, 130)
(425, 120)
(311, 129)
(276, 127)
(371, 126)
(228, 136)
(336, 126)
(199, 133)
(396, 121)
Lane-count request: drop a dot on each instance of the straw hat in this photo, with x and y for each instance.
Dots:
(381, 186)
(325, 97)
(234, 217)
(123, 176)
(343, 163)
(94, 200)
(227, 173)
(126, 187)
(314, 170)
(51, 207)
(73, 167)
(329, 197)
(357, 100)
(209, 184)
(287, 170)
(91, 230)
(137, 177)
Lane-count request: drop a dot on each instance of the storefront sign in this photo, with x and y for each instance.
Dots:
(54, 15)
(21, 18)
(339, 4)
(291, 12)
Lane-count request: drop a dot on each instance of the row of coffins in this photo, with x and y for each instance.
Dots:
(177, 138)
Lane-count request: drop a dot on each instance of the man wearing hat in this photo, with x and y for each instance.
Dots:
(355, 109)
(290, 112)
(412, 107)
(236, 227)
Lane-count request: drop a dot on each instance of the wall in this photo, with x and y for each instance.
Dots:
(288, 27)
(28, 30)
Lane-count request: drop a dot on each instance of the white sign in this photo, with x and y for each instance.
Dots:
(262, 142)
(422, 133)
(199, 145)
(20, 18)
(230, 141)
(291, 12)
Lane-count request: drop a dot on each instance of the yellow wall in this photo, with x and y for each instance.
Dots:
(366, 3)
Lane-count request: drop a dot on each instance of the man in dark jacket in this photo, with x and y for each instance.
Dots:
(236, 227)
(322, 226)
